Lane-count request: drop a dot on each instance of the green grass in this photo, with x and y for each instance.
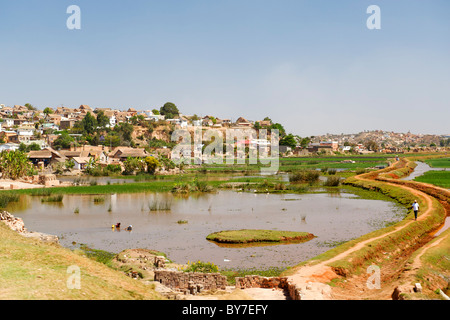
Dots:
(32, 270)
(248, 236)
(439, 163)
(438, 178)
(55, 198)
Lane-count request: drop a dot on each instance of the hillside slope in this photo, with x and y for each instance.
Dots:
(33, 270)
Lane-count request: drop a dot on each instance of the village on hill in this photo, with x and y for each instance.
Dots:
(78, 137)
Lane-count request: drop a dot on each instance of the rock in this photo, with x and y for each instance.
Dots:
(418, 287)
(17, 224)
(398, 291)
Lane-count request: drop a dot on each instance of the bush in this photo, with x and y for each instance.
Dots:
(332, 171)
(308, 176)
(203, 267)
(333, 181)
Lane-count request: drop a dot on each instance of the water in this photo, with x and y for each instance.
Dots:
(419, 170)
(331, 217)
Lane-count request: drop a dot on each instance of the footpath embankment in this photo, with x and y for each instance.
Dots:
(342, 273)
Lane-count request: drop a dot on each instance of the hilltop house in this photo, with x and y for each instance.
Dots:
(242, 122)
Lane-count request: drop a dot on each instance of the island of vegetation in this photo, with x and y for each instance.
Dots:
(245, 236)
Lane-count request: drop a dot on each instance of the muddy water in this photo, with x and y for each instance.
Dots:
(419, 170)
(332, 218)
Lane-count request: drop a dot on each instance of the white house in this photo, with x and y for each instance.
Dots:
(25, 135)
(112, 121)
(80, 162)
(8, 123)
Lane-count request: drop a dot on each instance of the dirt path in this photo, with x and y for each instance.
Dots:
(311, 278)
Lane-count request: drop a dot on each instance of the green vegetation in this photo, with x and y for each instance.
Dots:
(6, 198)
(305, 176)
(15, 164)
(249, 236)
(55, 198)
(439, 163)
(438, 178)
(202, 267)
(32, 270)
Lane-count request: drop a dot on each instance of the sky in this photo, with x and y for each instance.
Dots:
(314, 66)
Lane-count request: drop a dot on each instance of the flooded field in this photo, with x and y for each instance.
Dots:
(178, 226)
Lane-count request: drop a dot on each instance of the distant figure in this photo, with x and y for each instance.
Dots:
(397, 158)
(118, 225)
(130, 227)
(415, 207)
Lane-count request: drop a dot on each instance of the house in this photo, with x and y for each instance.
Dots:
(66, 123)
(25, 135)
(9, 137)
(242, 122)
(123, 153)
(100, 155)
(81, 162)
(8, 123)
(69, 154)
(85, 108)
(47, 156)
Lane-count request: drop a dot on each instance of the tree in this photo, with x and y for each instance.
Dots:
(288, 140)
(15, 164)
(371, 145)
(278, 127)
(47, 111)
(89, 123)
(112, 140)
(169, 110)
(125, 130)
(305, 142)
(133, 164)
(102, 120)
(152, 164)
(30, 107)
(64, 141)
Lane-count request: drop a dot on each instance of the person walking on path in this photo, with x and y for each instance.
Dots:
(415, 207)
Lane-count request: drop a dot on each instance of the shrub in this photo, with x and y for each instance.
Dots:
(309, 176)
(56, 198)
(203, 267)
(332, 171)
(333, 181)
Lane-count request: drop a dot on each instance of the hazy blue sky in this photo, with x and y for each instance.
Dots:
(311, 65)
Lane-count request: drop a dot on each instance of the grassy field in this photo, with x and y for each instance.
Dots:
(438, 178)
(439, 163)
(32, 270)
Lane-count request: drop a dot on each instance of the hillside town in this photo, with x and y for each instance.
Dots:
(83, 135)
